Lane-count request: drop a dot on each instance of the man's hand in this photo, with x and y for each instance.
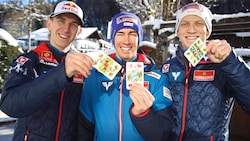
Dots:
(77, 62)
(141, 98)
(218, 50)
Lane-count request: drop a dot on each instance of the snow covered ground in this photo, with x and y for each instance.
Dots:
(5, 118)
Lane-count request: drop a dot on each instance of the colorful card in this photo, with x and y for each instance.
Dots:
(134, 73)
(105, 64)
(196, 52)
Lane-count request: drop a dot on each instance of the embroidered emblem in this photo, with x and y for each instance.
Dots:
(22, 60)
(176, 76)
(46, 55)
(165, 68)
(78, 78)
(204, 75)
(107, 86)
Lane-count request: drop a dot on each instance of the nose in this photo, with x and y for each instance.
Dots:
(66, 27)
(126, 39)
(191, 28)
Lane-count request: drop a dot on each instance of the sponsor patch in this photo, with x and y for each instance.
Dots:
(22, 60)
(78, 78)
(126, 18)
(204, 75)
(166, 93)
(165, 68)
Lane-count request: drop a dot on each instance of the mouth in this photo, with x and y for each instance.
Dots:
(125, 49)
(192, 37)
(63, 36)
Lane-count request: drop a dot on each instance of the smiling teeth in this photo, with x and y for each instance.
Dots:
(126, 49)
(63, 36)
(192, 38)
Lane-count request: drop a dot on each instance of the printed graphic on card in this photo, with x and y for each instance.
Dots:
(105, 64)
(134, 73)
(196, 52)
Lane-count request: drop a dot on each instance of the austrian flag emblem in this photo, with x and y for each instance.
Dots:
(204, 75)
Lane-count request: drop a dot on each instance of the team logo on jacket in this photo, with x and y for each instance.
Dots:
(22, 60)
(165, 68)
(19, 66)
(107, 86)
(176, 76)
(46, 55)
(204, 75)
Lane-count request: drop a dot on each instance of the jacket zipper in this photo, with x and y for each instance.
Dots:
(26, 135)
(59, 116)
(183, 120)
(120, 104)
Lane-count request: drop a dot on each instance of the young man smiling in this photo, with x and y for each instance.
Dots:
(44, 85)
(106, 105)
(203, 94)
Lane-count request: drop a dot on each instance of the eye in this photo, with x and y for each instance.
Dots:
(75, 25)
(133, 34)
(60, 20)
(119, 34)
(200, 24)
(183, 24)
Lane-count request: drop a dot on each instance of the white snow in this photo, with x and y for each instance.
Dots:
(42, 34)
(156, 23)
(218, 17)
(147, 43)
(4, 35)
(4, 117)
(242, 51)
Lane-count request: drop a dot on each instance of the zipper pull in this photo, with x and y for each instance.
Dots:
(26, 135)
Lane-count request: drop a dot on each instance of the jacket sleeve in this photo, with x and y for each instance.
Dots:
(238, 75)
(26, 89)
(86, 120)
(85, 129)
(155, 126)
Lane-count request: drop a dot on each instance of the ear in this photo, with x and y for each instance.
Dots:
(79, 30)
(48, 24)
(177, 33)
(207, 34)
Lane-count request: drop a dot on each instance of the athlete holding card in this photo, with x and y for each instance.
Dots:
(204, 79)
(137, 93)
